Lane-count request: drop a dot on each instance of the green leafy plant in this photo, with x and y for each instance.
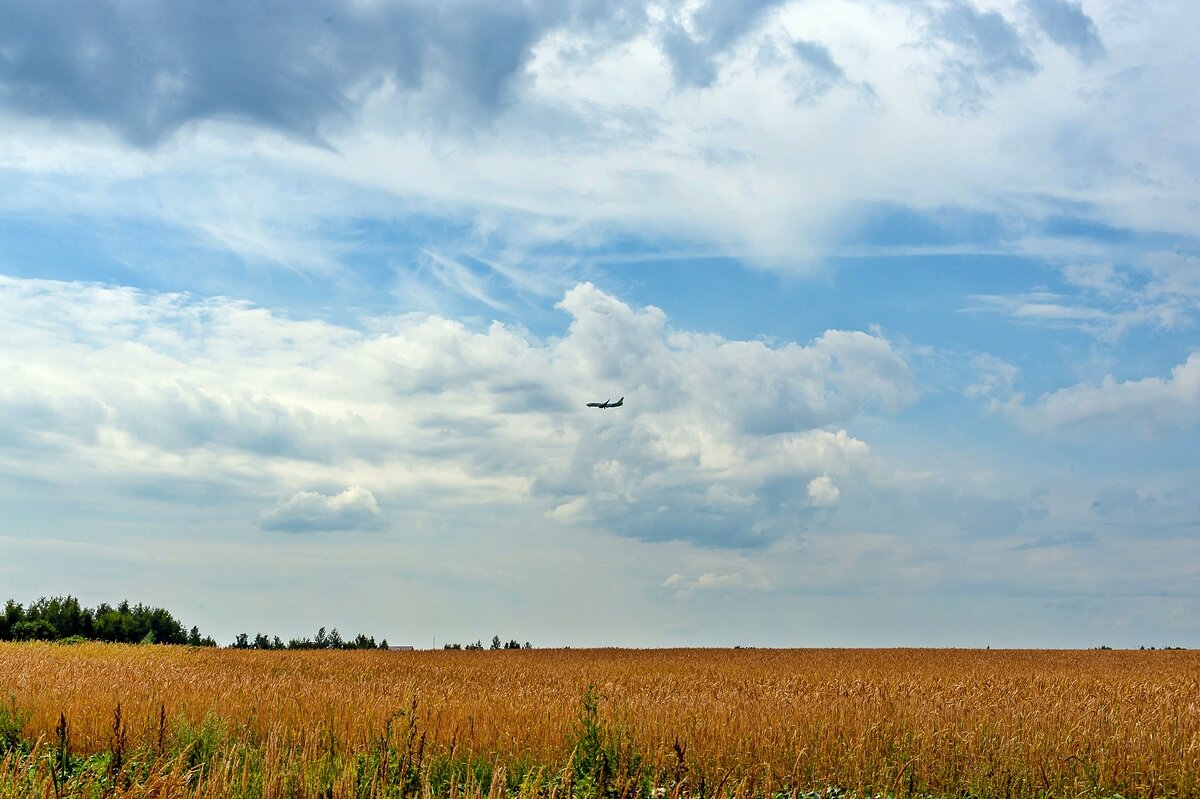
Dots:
(605, 763)
(12, 727)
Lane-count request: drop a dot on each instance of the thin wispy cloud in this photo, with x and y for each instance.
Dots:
(1160, 291)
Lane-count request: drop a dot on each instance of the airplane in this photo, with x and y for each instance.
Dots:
(607, 404)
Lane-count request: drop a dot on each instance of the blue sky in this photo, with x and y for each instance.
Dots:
(300, 306)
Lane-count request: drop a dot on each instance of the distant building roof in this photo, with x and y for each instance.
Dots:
(400, 649)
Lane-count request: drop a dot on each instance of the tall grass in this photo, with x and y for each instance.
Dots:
(597, 723)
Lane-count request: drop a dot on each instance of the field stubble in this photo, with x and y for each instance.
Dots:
(226, 723)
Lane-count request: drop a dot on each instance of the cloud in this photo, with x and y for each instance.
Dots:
(1152, 406)
(787, 388)
(822, 493)
(995, 377)
(815, 72)
(984, 40)
(720, 438)
(146, 70)
(33, 418)
(717, 444)
(1068, 26)
(981, 47)
(554, 130)
(309, 511)
(714, 582)
(693, 42)
(817, 57)
(1160, 291)
(179, 416)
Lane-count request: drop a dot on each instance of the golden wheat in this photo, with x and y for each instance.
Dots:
(945, 722)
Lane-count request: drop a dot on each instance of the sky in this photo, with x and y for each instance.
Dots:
(301, 304)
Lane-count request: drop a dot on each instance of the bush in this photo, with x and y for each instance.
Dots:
(35, 630)
(606, 764)
(12, 726)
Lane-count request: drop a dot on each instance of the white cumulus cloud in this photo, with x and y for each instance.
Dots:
(717, 442)
(307, 511)
(1151, 406)
(822, 493)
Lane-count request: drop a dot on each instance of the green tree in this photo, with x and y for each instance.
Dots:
(63, 613)
(34, 630)
(106, 625)
(123, 623)
(13, 614)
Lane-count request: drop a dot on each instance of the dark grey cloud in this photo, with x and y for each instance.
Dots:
(818, 71)
(985, 39)
(818, 59)
(981, 48)
(715, 27)
(1066, 24)
(146, 69)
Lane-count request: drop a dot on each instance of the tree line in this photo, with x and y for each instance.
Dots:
(478, 645)
(60, 618)
(322, 640)
(64, 618)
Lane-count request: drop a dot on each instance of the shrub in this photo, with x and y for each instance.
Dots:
(12, 726)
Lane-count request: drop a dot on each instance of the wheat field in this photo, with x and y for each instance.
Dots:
(912, 722)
